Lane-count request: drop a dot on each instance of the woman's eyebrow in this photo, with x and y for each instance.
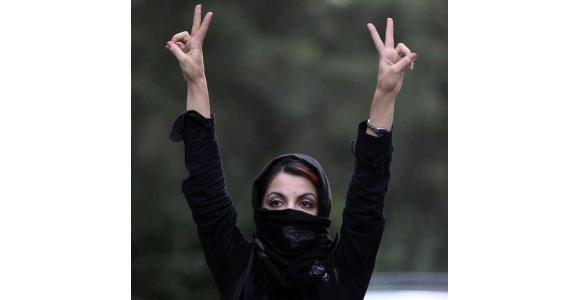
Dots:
(276, 193)
(306, 194)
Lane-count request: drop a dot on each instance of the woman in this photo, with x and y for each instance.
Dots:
(291, 255)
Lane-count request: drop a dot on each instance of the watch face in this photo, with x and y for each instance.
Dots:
(382, 132)
(377, 131)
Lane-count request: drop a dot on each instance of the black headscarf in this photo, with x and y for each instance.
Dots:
(325, 197)
(293, 247)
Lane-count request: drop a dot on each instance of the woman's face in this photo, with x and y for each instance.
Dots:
(288, 191)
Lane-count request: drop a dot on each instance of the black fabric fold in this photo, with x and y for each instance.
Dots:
(373, 150)
(293, 249)
(191, 126)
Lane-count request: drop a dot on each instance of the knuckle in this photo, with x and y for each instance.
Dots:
(180, 35)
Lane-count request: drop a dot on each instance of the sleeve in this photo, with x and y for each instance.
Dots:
(205, 190)
(362, 219)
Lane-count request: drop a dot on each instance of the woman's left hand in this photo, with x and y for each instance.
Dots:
(393, 61)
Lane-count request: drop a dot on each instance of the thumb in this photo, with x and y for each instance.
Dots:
(177, 52)
(404, 63)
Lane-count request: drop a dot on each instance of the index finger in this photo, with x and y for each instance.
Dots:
(389, 40)
(376, 39)
(205, 23)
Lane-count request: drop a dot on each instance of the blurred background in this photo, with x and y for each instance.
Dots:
(286, 76)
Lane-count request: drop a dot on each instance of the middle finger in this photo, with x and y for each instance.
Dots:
(389, 39)
(196, 18)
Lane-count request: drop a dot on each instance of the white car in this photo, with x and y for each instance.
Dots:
(408, 286)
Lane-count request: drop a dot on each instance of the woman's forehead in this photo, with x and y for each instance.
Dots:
(284, 182)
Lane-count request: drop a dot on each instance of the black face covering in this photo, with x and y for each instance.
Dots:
(293, 248)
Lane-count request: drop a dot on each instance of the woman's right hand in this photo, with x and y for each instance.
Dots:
(187, 48)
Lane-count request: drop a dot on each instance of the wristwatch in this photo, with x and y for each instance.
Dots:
(377, 130)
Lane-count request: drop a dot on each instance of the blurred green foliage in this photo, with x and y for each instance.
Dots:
(285, 76)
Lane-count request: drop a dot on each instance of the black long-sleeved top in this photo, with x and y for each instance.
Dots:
(227, 252)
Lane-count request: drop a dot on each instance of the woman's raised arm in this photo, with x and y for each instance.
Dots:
(393, 62)
(187, 48)
(226, 251)
(362, 219)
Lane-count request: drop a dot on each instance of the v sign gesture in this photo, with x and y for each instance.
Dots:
(187, 48)
(393, 61)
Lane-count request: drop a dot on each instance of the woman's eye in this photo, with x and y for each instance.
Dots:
(306, 204)
(276, 203)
